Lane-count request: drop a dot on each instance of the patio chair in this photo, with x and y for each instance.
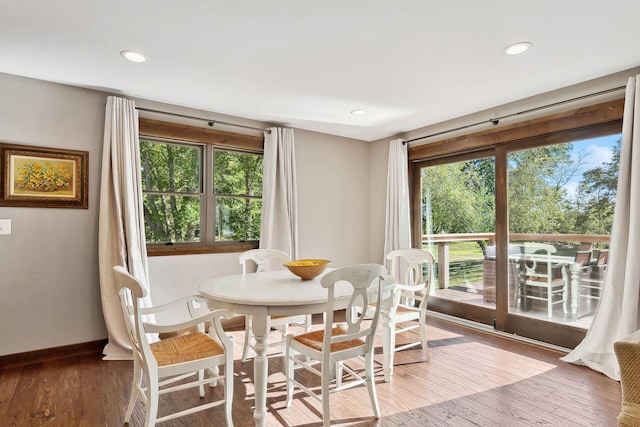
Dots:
(592, 277)
(489, 271)
(336, 344)
(542, 279)
(583, 258)
(266, 260)
(162, 367)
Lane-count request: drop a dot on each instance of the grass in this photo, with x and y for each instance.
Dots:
(465, 262)
(459, 251)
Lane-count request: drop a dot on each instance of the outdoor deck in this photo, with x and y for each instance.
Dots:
(473, 294)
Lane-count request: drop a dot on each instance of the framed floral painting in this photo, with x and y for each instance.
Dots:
(44, 177)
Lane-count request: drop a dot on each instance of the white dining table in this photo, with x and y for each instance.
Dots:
(279, 293)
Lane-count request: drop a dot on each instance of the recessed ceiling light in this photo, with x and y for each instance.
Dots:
(358, 112)
(133, 56)
(517, 48)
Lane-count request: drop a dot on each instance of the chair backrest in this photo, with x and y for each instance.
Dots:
(131, 292)
(368, 282)
(264, 259)
(538, 262)
(583, 258)
(417, 275)
(603, 258)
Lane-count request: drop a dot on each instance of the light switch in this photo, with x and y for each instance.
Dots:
(5, 226)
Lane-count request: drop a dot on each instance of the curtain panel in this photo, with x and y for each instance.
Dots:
(279, 225)
(397, 233)
(617, 314)
(121, 236)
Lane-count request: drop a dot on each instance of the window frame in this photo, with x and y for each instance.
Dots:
(580, 123)
(210, 139)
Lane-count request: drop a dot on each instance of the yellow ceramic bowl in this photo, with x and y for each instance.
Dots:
(307, 269)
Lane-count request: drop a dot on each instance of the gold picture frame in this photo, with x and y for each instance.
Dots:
(41, 177)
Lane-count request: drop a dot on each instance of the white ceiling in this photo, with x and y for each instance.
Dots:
(307, 64)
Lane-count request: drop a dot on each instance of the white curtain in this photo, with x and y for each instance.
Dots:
(279, 226)
(617, 315)
(121, 237)
(397, 232)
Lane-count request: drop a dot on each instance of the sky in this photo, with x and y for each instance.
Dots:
(599, 151)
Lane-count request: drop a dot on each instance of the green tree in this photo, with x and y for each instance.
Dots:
(170, 175)
(238, 175)
(173, 195)
(536, 193)
(459, 197)
(596, 196)
(481, 174)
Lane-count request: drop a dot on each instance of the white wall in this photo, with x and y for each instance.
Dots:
(333, 198)
(49, 287)
(49, 293)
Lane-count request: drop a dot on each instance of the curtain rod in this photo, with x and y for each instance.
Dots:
(210, 122)
(496, 120)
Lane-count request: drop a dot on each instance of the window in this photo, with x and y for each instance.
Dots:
(201, 192)
(172, 191)
(238, 195)
(510, 212)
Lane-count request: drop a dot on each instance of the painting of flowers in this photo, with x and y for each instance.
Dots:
(43, 177)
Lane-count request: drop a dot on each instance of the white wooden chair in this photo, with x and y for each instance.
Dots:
(162, 366)
(592, 277)
(267, 260)
(543, 279)
(411, 296)
(335, 344)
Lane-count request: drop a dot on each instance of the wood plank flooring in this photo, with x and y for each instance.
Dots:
(474, 378)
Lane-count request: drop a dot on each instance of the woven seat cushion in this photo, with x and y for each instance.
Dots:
(185, 348)
(314, 340)
(401, 308)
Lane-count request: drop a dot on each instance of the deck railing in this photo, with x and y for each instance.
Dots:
(583, 241)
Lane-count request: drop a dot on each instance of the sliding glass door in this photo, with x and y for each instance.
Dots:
(458, 228)
(521, 233)
(560, 204)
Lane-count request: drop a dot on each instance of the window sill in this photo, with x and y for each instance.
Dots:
(195, 250)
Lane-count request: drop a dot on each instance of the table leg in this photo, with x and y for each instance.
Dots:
(388, 341)
(574, 290)
(260, 368)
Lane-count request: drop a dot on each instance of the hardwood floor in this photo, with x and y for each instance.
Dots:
(474, 378)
